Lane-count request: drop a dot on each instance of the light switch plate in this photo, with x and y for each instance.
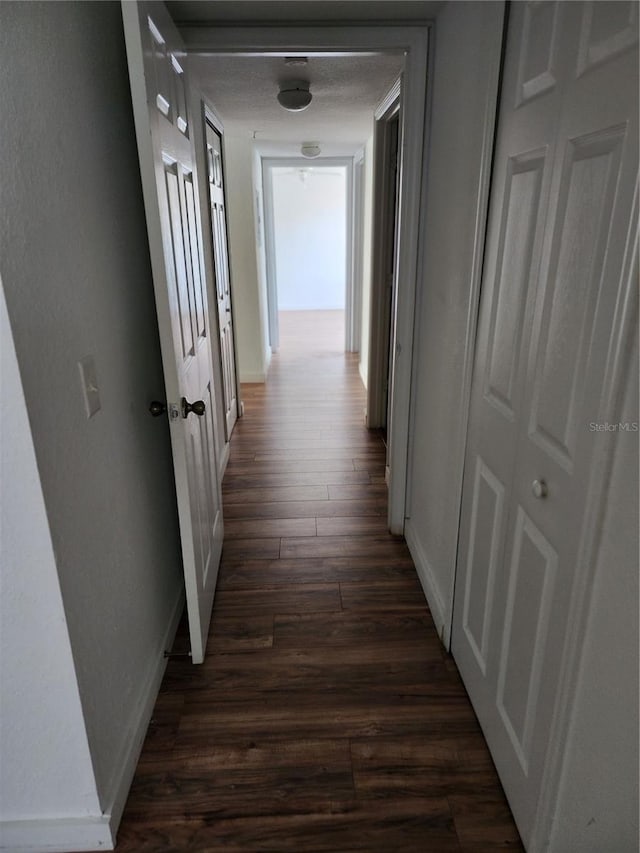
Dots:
(89, 381)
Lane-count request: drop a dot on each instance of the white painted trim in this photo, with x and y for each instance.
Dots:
(321, 40)
(52, 836)
(202, 111)
(410, 238)
(267, 165)
(389, 104)
(350, 304)
(270, 257)
(211, 116)
(226, 453)
(617, 367)
(429, 586)
(381, 332)
(413, 42)
(479, 241)
(354, 329)
(363, 377)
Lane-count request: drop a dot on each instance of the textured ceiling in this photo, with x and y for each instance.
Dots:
(345, 89)
(279, 11)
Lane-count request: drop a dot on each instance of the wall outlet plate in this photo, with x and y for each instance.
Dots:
(89, 381)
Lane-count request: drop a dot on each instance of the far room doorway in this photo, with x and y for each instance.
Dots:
(308, 219)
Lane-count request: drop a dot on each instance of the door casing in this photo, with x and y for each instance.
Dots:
(268, 164)
(385, 208)
(413, 41)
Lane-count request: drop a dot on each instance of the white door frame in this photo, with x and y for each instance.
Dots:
(412, 41)
(380, 335)
(354, 329)
(209, 115)
(203, 112)
(268, 164)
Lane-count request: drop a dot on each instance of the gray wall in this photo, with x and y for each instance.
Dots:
(597, 809)
(467, 51)
(597, 804)
(76, 272)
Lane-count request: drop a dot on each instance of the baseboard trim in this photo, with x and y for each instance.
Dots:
(429, 584)
(253, 378)
(130, 754)
(56, 836)
(224, 461)
(362, 373)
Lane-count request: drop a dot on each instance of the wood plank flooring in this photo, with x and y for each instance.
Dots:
(327, 716)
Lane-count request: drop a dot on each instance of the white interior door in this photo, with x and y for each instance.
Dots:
(223, 286)
(157, 71)
(560, 221)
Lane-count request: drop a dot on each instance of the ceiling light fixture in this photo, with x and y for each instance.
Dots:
(310, 150)
(294, 95)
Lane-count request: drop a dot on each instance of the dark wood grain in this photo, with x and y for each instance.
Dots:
(326, 716)
(308, 509)
(258, 528)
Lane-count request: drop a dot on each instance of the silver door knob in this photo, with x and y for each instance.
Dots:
(539, 489)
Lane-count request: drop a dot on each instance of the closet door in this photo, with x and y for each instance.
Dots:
(560, 221)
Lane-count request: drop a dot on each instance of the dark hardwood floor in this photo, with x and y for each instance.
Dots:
(327, 716)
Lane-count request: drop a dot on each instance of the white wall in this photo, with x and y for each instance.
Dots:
(249, 302)
(76, 272)
(366, 260)
(41, 722)
(597, 809)
(467, 49)
(309, 218)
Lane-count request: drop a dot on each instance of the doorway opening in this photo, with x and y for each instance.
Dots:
(309, 249)
(347, 70)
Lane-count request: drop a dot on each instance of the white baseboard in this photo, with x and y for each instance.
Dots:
(130, 753)
(224, 461)
(56, 836)
(363, 375)
(439, 613)
(253, 378)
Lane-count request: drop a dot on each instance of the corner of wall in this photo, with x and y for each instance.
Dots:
(41, 720)
(367, 248)
(245, 259)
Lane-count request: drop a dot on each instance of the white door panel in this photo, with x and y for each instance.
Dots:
(223, 284)
(560, 216)
(159, 92)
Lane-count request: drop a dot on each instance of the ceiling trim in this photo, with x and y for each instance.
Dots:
(392, 96)
(341, 40)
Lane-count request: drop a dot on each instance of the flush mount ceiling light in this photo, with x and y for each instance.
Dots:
(294, 95)
(310, 150)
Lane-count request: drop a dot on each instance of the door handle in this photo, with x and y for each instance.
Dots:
(157, 408)
(198, 408)
(539, 489)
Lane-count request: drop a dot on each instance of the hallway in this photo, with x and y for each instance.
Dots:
(327, 716)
